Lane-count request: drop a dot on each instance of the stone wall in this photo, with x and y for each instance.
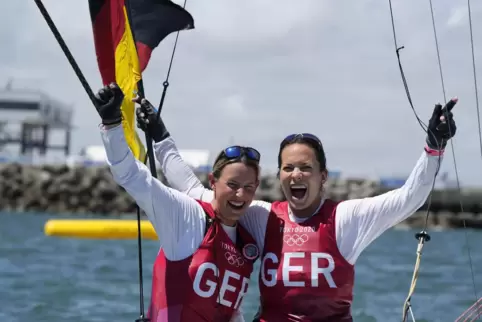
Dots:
(60, 189)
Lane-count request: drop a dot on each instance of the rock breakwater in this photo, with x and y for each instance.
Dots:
(64, 189)
(61, 189)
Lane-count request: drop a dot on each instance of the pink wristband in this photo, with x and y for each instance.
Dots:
(433, 152)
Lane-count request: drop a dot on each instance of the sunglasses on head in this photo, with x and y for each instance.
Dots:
(237, 151)
(307, 136)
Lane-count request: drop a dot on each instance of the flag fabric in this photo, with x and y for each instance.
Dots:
(125, 34)
(154, 20)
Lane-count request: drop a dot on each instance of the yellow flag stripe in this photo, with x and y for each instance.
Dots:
(127, 74)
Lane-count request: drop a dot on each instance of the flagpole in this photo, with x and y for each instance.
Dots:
(91, 95)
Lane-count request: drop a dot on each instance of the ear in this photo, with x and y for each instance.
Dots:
(212, 181)
(324, 176)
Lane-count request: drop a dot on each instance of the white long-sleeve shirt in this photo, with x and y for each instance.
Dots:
(177, 218)
(358, 222)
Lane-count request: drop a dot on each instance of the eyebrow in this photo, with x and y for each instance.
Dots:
(237, 182)
(302, 164)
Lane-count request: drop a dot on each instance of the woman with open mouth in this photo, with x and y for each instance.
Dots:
(202, 271)
(309, 243)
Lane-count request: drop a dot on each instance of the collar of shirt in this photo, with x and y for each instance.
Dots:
(298, 219)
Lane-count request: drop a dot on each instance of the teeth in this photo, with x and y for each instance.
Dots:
(236, 203)
(298, 186)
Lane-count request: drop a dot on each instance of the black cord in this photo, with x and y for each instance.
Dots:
(152, 164)
(424, 234)
(165, 84)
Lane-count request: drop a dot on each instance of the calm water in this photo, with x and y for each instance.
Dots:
(56, 280)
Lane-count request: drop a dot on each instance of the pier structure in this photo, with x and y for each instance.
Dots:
(29, 119)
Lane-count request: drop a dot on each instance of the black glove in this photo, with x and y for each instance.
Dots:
(108, 104)
(441, 126)
(148, 122)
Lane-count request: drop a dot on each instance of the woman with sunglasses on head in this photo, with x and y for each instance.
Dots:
(309, 243)
(201, 273)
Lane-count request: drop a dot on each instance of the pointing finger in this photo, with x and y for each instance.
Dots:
(450, 104)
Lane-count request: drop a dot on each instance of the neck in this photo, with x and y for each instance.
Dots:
(309, 211)
(225, 221)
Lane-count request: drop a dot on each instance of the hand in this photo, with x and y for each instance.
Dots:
(148, 122)
(108, 104)
(441, 126)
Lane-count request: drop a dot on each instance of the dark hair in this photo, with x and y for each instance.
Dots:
(222, 161)
(308, 139)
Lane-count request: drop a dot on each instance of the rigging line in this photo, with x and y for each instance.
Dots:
(480, 135)
(438, 52)
(404, 80)
(166, 82)
(152, 165)
(470, 311)
(422, 236)
(453, 150)
(475, 75)
(149, 156)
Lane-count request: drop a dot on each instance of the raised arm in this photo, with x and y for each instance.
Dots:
(181, 177)
(360, 221)
(175, 216)
(179, 174)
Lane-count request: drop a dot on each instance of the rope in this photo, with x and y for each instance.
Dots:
(475, 308)
(423, 236)
(453, 149)
(407, 305)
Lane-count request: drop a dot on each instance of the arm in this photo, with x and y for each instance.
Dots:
(179, 220)
(179, 175)
(359, 222)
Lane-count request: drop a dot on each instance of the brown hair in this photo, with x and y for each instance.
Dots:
(222, 161)
(314, 144)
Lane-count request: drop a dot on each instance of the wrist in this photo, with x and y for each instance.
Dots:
(434, 144)
(433, 152)
(109, 126)
(159, 131)
(161, 136)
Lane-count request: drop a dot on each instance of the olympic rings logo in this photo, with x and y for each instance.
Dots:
(295, 239)
(234, 259)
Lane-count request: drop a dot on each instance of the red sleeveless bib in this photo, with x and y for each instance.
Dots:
(303, 276)
(208, 285)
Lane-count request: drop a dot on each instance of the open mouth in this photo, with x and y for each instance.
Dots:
(236, 205)
(298, 191)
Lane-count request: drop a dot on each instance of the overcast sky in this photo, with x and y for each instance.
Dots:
(253, 71)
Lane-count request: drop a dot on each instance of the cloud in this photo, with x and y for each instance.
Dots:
(233, 106)
(457, 16)
(256, 71)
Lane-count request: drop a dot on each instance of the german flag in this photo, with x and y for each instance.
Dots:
(125, 34)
